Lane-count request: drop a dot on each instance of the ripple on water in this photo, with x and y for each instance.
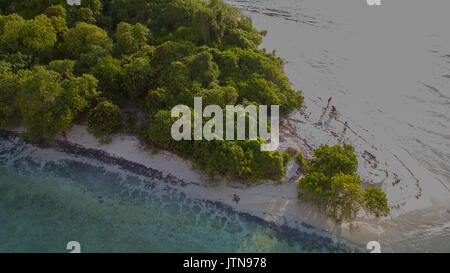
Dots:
(46, 205)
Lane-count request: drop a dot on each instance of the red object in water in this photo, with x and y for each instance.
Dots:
(329, 100)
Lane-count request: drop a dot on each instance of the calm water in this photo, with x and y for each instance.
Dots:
(48, 198)
(388, 70)
(387, 67)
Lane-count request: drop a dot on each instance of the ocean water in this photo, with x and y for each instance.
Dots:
(387, 67)
(49, 197)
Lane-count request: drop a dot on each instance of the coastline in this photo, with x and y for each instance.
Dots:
(277, 203)
(274, 204)
(417, 195)
(302, 230)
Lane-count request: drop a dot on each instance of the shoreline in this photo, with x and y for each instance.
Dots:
(273, 203)
(304, 232)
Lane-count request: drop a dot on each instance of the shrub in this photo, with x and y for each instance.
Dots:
(49, 103)
(331, 185)
(300, 160)
(288, 154)
(334, 160)
(105, 119)
(375, 202)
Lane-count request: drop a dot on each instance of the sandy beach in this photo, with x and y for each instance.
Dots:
(411, 197)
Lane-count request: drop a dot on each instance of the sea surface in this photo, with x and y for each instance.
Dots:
(387, 68)
(50, 197)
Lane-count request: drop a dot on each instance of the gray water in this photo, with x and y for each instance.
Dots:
(49, 197)
(387, 67)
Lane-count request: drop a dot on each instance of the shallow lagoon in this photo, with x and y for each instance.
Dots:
(49, 198)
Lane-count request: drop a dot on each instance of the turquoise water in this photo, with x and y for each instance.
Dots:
(48, 198)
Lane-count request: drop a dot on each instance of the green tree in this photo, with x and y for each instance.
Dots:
(218, 95)
(110, 73)
(299, 158)
(203, 69)
(131, 38)
(48, 103)
(334, 160)
(314, 188)
(83, 37)
(56, 11)
(331, 184)
(63, 67)
(36, 36)
(84, 15)
(137, 77)
(159, 131)
(9, 112)
(375, 202)
(194, 48)
(89, 59)
(345, 197)
(95, 6)
(105, 119)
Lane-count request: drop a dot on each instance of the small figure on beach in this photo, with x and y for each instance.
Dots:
(333, 109)
(236, 198)
(64, 135)
(329, 101)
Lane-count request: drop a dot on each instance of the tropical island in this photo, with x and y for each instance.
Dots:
(122, 66)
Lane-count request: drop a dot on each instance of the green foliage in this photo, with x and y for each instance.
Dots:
(203, 69)
(36, 36)
(235, 159)
(137, 76)
(84, 15)
(218, 95)
(375, 202)
(17, 61)
(105, 119)
(110, 73)
(288, 154)
(153, 54)
(300, 160)
(56, 10)
(334, 160)
(331, 185)
(131, 38)
(9, 112)
(64, 67)
(345, 197)
(83, 37)
(28, 8)
(89, 59)
(48, 103)
(314, 188)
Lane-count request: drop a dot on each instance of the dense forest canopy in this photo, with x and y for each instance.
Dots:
(62, 63)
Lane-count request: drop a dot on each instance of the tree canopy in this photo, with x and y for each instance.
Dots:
(332, 185)
(59, 62)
